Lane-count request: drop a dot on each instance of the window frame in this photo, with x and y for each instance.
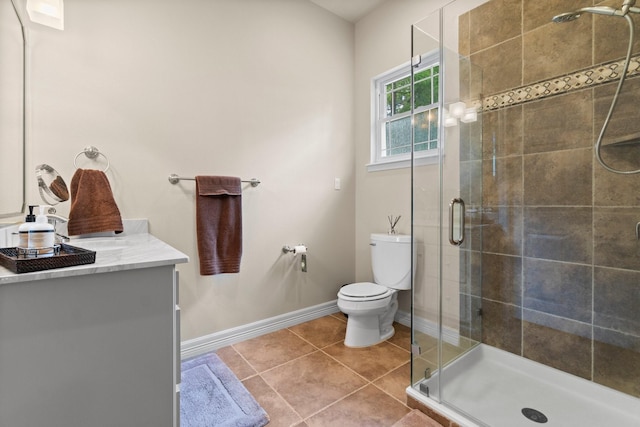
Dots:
(378, 117)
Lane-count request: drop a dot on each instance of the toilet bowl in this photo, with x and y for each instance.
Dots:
(371, 307)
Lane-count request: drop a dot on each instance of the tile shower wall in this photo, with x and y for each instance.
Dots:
(559, 256)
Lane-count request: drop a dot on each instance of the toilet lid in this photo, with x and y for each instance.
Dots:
(363, 290)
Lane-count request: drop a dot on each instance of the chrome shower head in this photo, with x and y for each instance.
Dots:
(598, 10)
(566, 17)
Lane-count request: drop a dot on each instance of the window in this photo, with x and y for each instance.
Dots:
(391, 127)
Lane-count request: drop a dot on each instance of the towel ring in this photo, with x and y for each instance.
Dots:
(91, 152)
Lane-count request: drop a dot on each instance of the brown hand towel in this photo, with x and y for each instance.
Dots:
(93, 208)
(219, 224)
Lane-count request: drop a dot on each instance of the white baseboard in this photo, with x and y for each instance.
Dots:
(213, 342)
(428, 327)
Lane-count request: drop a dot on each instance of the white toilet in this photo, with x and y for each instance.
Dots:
(372, 306)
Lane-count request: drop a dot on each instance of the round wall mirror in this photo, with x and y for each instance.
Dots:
(52, 187)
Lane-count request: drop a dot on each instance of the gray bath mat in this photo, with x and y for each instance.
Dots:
(211, 395)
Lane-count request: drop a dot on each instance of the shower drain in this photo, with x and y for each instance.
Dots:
(534, 415)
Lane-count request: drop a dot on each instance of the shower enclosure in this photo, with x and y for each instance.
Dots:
(528, 249)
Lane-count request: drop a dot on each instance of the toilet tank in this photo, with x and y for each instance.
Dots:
(391, 260)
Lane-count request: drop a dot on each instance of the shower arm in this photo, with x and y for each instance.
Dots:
(623, 76)
(627, 5)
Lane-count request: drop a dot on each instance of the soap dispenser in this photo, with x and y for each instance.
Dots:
(42, 234)
(37, 236)
(23, 230)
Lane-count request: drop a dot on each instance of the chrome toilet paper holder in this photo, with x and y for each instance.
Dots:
(295, 249)
(298, 249)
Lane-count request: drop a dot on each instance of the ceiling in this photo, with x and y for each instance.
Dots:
(350, 10)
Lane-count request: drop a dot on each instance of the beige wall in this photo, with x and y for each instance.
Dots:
(246, 88)
(277, 90)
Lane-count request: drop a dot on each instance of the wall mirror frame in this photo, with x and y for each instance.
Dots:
(13, 66)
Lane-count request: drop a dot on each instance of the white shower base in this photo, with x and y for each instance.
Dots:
(494, 386)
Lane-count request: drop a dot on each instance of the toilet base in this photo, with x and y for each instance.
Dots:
(365, 330)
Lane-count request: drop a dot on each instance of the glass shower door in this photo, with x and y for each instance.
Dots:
(447, 200)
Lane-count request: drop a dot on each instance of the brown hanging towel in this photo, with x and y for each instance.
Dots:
(219, 224)
(93, 208)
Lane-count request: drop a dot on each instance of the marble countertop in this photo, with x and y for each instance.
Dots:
(119, 253)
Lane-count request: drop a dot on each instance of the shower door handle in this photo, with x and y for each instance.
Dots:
(460, 239)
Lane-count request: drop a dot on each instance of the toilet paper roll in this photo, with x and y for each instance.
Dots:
(300, 249)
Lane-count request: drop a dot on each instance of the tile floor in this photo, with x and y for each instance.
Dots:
(305, 376)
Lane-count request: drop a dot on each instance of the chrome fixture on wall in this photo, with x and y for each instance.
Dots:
(92, 153)
(298, 249)
(52, 187)
(174, 179)
(627, 8)
(53, 190)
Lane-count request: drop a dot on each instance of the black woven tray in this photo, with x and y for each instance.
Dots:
(68, 257)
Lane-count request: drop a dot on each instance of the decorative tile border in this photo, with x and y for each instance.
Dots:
(578, 80)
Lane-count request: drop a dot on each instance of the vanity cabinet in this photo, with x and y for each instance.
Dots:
(96, 349)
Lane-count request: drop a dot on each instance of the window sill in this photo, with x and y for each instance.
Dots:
(401, 163)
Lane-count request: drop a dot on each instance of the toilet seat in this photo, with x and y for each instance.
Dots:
(364, 291)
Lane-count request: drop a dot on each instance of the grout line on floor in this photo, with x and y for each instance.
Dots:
(289, 361)
(336, 401)
(401, 348)
(390, 395)
(345, 366)
(300, 417)
(391, 370)
(303, 339)
(245, 360)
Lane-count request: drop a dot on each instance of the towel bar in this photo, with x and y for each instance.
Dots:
(91, 152)
(174, 179)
